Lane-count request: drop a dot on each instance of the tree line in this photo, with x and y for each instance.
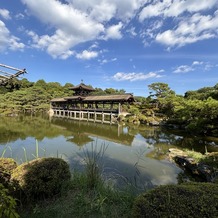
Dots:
(196, 111)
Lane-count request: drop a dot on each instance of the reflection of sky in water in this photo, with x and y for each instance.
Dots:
(133, 154)
(119, 161)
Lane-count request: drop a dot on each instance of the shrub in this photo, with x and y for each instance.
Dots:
(42, 177)
(7, 204)
(7, 165)
(186, 200)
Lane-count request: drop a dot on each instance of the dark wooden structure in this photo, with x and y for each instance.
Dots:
(5, 77)
(82, 105)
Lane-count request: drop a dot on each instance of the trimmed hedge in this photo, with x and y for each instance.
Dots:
(42, 177)
(185, 200)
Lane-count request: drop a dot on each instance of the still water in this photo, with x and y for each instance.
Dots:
(135, 154)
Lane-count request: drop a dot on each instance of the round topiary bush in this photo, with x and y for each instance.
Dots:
(42, 177)
(7, 165)
(186, 200)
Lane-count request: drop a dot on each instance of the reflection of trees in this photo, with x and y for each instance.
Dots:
(80, 139)
(80, 132)
(162, 139)
(14, 128)
(104, 131)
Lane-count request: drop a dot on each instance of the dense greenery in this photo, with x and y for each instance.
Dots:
(7, 204)
(185, 200)
(196, 111)
(7, 165)
(27, 96)
(84, 196)
(41, 178)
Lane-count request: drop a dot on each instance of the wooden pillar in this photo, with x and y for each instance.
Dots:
(119, 108)
(95, 116)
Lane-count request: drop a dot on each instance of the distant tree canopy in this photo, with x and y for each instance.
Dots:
(203, 93)
(160, 90)
(23, 95)
(196, 111)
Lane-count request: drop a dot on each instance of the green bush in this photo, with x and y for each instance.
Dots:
(7, 204)
(42, 177)
(7, 165)
(186, 200)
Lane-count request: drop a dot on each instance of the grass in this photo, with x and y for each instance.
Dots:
(86, 195)
(78, 200)
(197, 156)
(93, 160)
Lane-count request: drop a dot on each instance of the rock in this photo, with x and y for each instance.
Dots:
(198, 169)
(154, 123)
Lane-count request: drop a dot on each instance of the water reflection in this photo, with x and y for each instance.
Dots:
(135, 154)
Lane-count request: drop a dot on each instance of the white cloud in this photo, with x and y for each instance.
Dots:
(190, 30)
(105, 61)
(114, 32)
(208, 66)
(19, 16)
(5, 14)
(183, 69)
(72, 26)
(196, 65)
(132, 31)
(121, 76)
(105, 10)
(7, 40)
(72, 22)
(181, 22)
(197, 62)
(173, 8)
(79, 21)
(87, 55)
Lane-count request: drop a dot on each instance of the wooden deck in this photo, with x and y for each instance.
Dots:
(93, 115)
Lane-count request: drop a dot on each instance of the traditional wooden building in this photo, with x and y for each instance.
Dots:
(83, 105)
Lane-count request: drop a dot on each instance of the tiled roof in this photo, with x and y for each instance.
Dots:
(58, 100)
(120, 97)
(83, 86)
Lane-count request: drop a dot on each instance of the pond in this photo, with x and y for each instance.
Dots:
(133, 154)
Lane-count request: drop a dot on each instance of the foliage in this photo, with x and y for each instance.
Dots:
(211, 159)
(7, 165)
(108, 91)
(93, 165)
(197, 115)
(203, 93)
(30, 97)
(160, 90)
(20, 96)
(78, 200)
(86, 194)
(185, 200)
(196, 111)
(42, 177)
(7, 204)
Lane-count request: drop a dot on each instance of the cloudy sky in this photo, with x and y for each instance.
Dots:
(121, 44)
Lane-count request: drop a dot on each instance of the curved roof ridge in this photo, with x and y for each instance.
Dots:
(83, 86)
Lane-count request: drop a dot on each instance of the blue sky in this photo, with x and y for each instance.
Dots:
(125, 44)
